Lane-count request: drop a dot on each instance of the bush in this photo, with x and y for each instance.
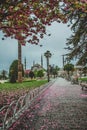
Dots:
(31, 74)
(13, 78)
(40, 73)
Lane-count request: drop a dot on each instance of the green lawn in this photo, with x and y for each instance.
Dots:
(24, 85)
(83, 79)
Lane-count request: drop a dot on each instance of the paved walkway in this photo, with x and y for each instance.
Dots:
(61, 107)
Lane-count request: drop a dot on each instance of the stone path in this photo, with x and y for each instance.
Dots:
(62, 106)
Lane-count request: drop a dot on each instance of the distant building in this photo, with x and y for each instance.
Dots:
(26, 72)
(78, 67)
(36, 67)
(62, 72)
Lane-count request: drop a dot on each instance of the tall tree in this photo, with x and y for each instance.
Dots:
(76, 12)
(69, 68)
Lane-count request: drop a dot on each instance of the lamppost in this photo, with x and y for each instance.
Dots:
(63, 57)
(41, 61)
(47, 54)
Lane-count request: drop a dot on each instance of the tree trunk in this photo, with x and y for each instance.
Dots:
(19, 64)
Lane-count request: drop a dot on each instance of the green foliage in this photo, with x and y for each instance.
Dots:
(40, 73)
(13, 71)
(13, 78)
(24, 85)
(69, 67)
(83, 79)
(35, 73)
(3, 74)
(85, 70)
(54, 70)
(31, 74)
(77, 43)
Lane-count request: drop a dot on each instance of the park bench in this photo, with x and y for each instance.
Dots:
(74, 80)
(83, 85)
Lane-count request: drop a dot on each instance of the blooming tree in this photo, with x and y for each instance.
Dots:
(26, 20)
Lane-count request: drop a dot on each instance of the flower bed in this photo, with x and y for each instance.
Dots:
(12, 101)
(6, 98)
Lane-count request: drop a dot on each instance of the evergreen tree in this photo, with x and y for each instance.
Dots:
(13, 71)
(31, 74)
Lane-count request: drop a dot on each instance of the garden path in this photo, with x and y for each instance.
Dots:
(62, 106)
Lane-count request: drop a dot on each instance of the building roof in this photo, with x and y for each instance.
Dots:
(78, 66)
(27, 71)
(36, 67)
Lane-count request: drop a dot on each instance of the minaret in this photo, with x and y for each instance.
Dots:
(33, 63)
(63, 60)
(41, 60)
(25, 63)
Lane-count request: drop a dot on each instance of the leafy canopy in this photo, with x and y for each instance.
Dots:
(69, 67)
(77, 43)
(26, 20)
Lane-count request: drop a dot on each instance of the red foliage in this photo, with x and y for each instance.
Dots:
(6, 98)
(24, 20)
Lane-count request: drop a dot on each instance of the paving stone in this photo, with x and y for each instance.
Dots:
(62, 106)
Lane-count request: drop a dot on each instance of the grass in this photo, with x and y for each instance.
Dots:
(83, 79)
(24, 85)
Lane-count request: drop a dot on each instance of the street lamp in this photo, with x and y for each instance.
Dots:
(63, 59)
(47, 54)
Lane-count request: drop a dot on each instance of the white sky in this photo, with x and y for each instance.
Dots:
(55, 44)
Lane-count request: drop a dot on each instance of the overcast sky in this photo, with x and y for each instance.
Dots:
(55, 44)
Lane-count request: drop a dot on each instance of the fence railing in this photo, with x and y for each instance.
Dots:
(14, 110)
